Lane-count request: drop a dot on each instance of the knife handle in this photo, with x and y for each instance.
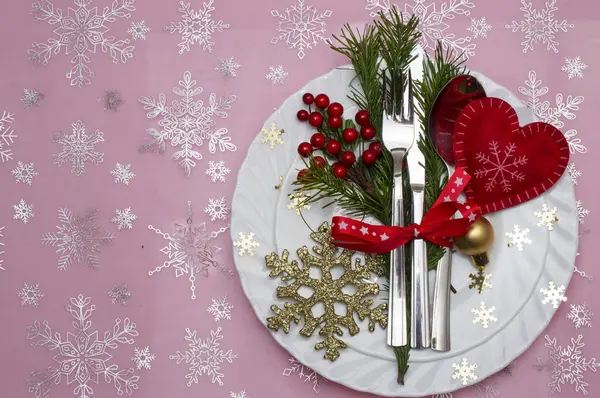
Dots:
(420, 333)
(440, 323)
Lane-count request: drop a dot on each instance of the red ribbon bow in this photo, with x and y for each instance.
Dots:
(437, 225)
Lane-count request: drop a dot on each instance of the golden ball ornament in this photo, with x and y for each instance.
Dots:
(477, 240)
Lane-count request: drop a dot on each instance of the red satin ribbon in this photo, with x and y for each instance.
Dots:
(437, 225)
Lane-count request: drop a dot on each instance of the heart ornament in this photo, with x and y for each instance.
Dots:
(509, 164)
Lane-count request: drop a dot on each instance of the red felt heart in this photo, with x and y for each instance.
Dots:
(509, 164)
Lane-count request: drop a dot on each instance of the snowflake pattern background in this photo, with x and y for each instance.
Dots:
(122, 174)
(7, 136)
(220, 309)
(124, 219)
(304, 373)
(217, 171)
(228, 67)
(30, 295)
(24, 173)
(574, 67)
(581, 316)
(31, 97)
(276, 74)
(138, 30)
(78, 148)
(23, 211)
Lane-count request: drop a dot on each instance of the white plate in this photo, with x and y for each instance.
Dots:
(368, 364)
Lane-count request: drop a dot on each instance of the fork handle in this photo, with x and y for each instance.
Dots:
(440, 323)
(420, 333)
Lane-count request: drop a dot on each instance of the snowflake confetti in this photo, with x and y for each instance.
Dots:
(500, 167)
(480, 280)
(228, 67)
(479, 28)
(1, 246)
(568, 365)
(518, 237)
(464, 371)
(78, 148)
(111, 100)
(119, 294)
(220, 309)
(581, 212)
(539, 26)
(83, 356)
(246, 244)
(138, 30)
(305, 374)
(124, 219)
(143, 358)
(217, 209)
(187, 123)
(30, 295)
(580, 315)
(276, 74)
(574, 67)
(122, 174)
(24, 173)
(204, 356)
(196, 27)
(298, 202)
(81, 32)
(23, 211)
(301, 27)
(7, 136)
(31, 97)
(574, 173)
(553, 295)
(241, 394)
(547, 217)
(78, 238)
(272, 136)
(484, 315)
(217, 171)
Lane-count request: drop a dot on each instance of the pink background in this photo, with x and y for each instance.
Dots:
(160, 305)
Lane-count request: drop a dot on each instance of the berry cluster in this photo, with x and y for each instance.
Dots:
(336, 137)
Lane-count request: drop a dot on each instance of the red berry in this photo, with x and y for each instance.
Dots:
(319, 161)
(315, 119)
(339, 170)
(350, 135)
(302, 115)
(335, 109)
(305, 149)
(347, 158)
(367, 132)
(362, 118)
(302, 173)
(308, 98)
(335, 122)
(369, 157)
(333, 147)
(322, 101)
(376, 147)
(317, 140)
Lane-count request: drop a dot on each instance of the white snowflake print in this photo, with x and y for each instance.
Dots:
(568, 365)
(220, 309)
(272, 136)
(187, 123)
(196, 27)
(564, 110)
(518, 237)
(122, 174)
(485, 390)
(138, 30)
(30, 295)
(217, 171)
(78, 238)
(111, 100)
(23, 211)
(79, 148)
(301, 27)
(298, 202)
(124, 219)
(83, 356)
(1, 246)
(228, 67)
(24, 173)
(246, 244)
(574, 67)
(581, 316)
(119, 294)
(500, 167)
(479, 28)
(574, 173)
(190, 251)
(305, 374)
(547, 217)
(204, 356)
(241, 394)
(31, 97)
(7, 136)
(581, 212)
(276, 74)
(553, 295)
(484, 315)
(442, 395)
(217, 209)
(81, 32)
(434, 22)
(143, 357)
(539, 26)
(464, 371)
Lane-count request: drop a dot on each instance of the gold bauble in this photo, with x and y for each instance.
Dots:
(476, 241)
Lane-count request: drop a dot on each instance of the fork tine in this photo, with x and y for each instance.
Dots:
(384, 98)
(407, 99)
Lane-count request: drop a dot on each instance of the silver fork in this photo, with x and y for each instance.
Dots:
(398, 137)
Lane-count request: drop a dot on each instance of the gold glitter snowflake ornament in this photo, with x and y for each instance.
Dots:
(326, 290)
